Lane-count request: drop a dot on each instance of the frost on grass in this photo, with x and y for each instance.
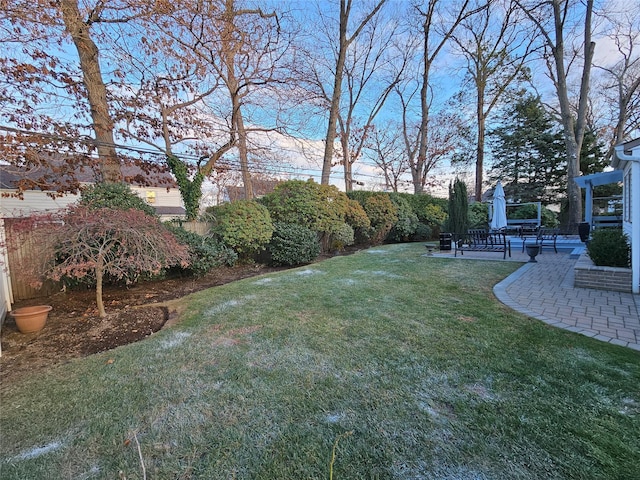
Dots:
(38, 451)
(376, 273)
(228, 305)
(333, 417)
(176, 339)
(263, 281)
(421, 471)
(308, 271)
(629, 407)
(293, 360)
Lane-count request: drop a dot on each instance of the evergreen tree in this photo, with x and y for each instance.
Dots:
(528, 149)
(458, 207)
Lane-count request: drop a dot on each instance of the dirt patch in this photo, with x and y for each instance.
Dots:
(74, 328)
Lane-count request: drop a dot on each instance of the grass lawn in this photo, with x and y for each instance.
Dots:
(383, 364)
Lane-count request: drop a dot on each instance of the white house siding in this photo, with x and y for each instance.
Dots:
(33, 201)
(628, 159)
(6, 298)
(162, 197)
(39, 202)
(631, 223)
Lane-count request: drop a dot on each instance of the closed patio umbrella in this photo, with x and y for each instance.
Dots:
(499, 219)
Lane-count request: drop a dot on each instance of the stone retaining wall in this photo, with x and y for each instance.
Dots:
(588, 275)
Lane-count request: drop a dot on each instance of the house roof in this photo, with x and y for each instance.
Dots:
(59, 175)
(624, 149)
(601, 178)
(169, 210)
(260, 188)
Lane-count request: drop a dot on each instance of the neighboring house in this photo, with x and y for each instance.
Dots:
(627, 159)
(260, 188)
(158, 189)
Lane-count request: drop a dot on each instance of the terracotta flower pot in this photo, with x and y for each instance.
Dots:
(31, 319)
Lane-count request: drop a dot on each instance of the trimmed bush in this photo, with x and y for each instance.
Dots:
(422, 234)
(341, 236)
(293, 244)
(609, 247)
(383, 215)
(206, 253)
(356, 217)
(320, 208)
(407, 222)
(114, 195)
(245, 226)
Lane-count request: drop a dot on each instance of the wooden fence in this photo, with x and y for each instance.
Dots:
(201, 228)
(22, 248)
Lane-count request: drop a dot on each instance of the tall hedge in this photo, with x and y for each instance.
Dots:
(320, 208)
(383, 215)
(458, 207)
(407, 223)
(245, 226)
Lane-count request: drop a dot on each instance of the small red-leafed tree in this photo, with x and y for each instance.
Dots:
(97, 244)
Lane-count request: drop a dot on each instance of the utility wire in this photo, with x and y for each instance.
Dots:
(307, 171)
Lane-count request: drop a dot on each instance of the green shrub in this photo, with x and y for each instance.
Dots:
(293, 244)
(479, 215)
(383, 215)
(423, 233)
(341, 236)
(356, 217)
(321, 208)
(609, 247)
(548, 218)
(245, 226)
(434, 215)
(206, 253)
(114, 195)
(407, 222)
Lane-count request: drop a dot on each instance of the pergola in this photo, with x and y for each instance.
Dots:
(596, 179)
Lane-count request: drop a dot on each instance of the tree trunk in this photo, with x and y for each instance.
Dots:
(480, 148)
(573, 129)
(417, 172)
(346, 155)
(99, 275)
(243, 153)
(337, 93)
(96, 90)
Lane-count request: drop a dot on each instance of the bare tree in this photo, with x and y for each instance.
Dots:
(344, 42)
(621, 85)
(437, 23)
(374, 67)
(551, 21)
(496, 49)
(388, 153)
(165, 105)
(241, 48)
